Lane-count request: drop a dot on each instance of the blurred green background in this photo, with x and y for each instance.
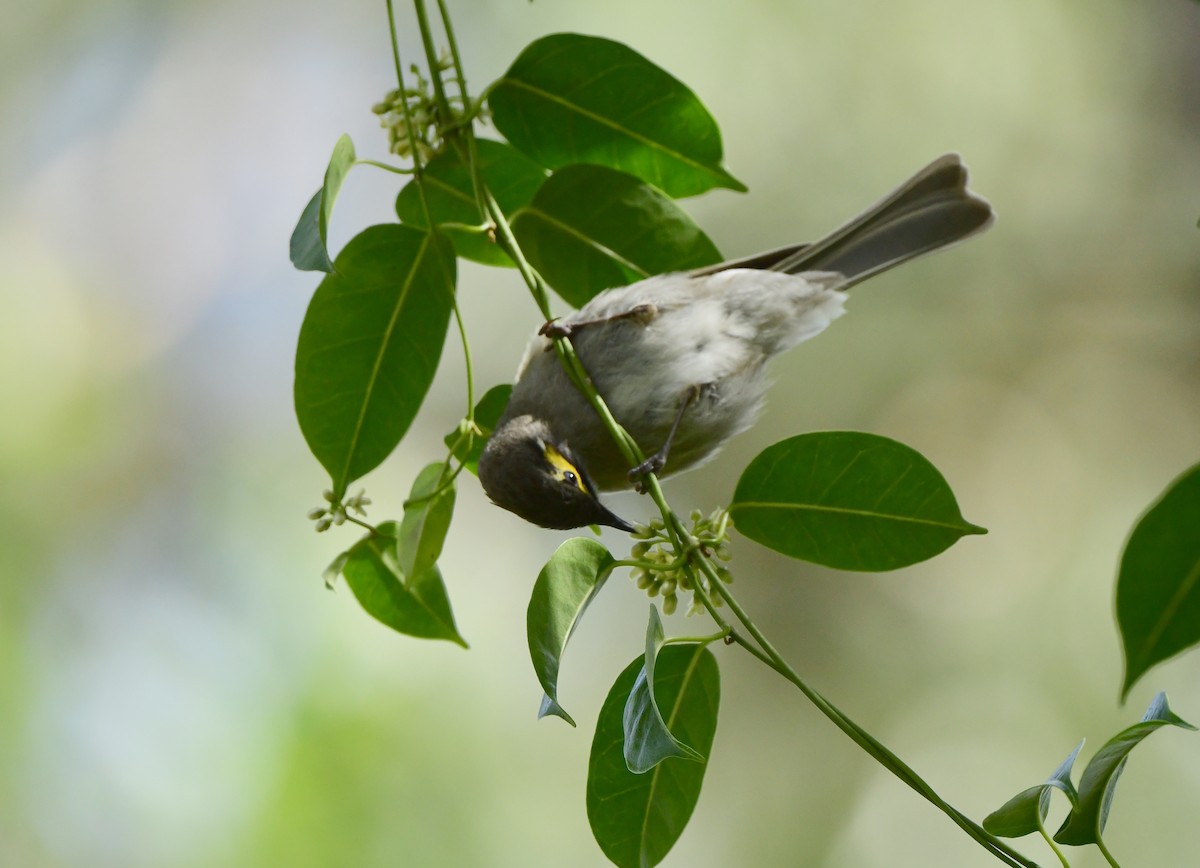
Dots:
(177, 688)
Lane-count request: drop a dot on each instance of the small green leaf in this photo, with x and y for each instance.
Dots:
(511, 177)
(334, 569)
(848, 500)
(1026, 812)
(1085, 823)
(487, 414)
(590, 228)
(564, 588)
(1158, 588)
(426, 521)
(369, 347)
(415, 607)
(581, 99)
(638, 818)
(648, 740)
(308, 248)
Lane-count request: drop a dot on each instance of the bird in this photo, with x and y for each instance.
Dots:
(680, 358)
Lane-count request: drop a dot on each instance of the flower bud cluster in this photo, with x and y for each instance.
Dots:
(336, 512)
(423, 115)
(662, 571)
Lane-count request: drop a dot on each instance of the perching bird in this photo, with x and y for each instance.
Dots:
(679, 358)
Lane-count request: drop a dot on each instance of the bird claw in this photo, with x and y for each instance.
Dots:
(653, 464)
(555, 329)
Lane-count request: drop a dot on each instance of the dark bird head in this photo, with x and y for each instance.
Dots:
(525, 470)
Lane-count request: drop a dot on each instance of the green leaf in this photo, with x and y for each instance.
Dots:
(331, 572)
(1158, 588)
(638, 818)
(487, 414)
(590, 228)
(1026, 812)
(1085, 823)
(564, 588)
(308, 246)
(511, 176)
(415, 607)
(648, 740)
(369, 347)
(427, 514)
(570, 98)
(848, 500)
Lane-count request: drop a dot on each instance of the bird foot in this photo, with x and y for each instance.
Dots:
(653, 464)
(555, 329)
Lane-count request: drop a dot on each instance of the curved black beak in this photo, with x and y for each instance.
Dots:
(611, 519)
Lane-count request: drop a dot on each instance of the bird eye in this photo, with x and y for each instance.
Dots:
(562, 469)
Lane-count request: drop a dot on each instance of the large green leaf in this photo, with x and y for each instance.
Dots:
(638, 818)
(848, 500)
(590, 228)
(564, 588)
(427, 514)
(1085, 823)
(369, 347)
(416, 606)
(308, 248)
(648, 737)
(1026, 812)
(487, 414)
(1158, 589)
(511, 177)
(569, 98)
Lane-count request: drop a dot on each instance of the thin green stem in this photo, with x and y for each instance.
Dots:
(473, 228)
(448, 28)
(445, 480)
(1050, 842)
(436, 75)
(395, 47)
(374, 530)
(652, 566)
(399, 170)
(1112, 860)
(702, 595)
(860, 736)
(705, 640)
(470, 373)
(417, 168)
(435, 70)
(472, 108)
(461, 129)
(566, 352)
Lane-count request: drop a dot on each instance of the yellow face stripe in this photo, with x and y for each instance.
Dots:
(562, 467)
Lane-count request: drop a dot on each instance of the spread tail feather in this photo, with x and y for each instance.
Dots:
(931, 210)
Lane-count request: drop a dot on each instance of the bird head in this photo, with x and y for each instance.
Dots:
(526, 470)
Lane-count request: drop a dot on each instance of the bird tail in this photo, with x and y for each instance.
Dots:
(931, 210)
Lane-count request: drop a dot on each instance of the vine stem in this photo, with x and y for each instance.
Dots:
(1050, 842)
(418, 169)
(681, 538)
(395, 170)
(435, 72)
(1112, 860)
(470, 372)
(374, 530)
(860, 736)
